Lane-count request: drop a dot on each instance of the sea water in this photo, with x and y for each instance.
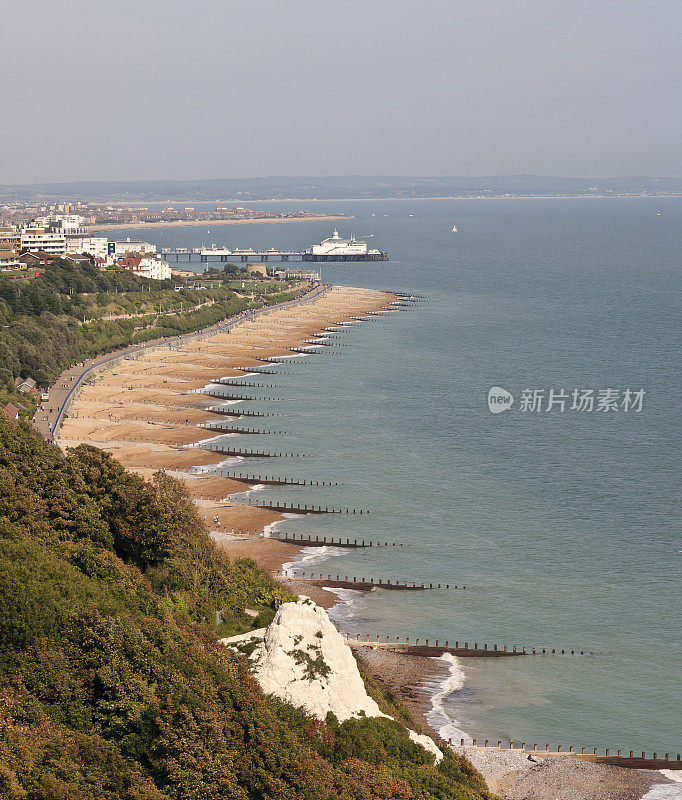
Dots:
(564, 527)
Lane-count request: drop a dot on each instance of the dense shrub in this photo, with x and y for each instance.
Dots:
(50, 322)
(112, 681)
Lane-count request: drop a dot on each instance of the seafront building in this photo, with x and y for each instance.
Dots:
(147, 268)
(127, 246)
(65, 235)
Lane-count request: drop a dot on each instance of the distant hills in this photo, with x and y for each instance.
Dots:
(335, 187)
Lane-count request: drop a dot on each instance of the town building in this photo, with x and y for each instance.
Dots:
(39, 239)
(25, 385)
(11, 411)
(96, 246)
(153, 268)
(72, 224)
(128, 246)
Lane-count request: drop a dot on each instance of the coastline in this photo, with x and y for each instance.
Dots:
(146, 412)
(149, 412)
(121, 226)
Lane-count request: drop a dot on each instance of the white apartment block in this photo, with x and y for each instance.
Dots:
(127, 246)
(96, 246)
(61, 223)
(35, 239)
(153, 268)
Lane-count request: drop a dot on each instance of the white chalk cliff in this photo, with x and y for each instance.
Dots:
(303, 659)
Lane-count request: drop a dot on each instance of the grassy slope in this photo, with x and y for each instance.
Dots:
(112, 682)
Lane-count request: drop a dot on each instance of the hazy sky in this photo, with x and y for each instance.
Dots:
(129, 89)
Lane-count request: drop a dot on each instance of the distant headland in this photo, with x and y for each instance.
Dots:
(344, 187)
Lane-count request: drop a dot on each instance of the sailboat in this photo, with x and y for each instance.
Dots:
(454, 229)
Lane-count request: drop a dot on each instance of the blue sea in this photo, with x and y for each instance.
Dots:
(563, 526)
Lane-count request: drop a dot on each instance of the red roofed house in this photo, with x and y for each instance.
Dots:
(11, 411)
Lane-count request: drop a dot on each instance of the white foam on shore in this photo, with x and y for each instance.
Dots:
(312, 555)
(346, 608)
(233, 495)
(269, 529)
(438, 718)
(228, 462)
(210, 439)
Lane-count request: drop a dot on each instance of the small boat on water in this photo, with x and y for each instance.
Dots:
(454, 229)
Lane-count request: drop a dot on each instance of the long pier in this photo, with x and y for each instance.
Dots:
(244, 256)
(241, 256)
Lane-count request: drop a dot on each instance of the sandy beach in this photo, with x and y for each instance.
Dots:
(149, 413)
(120, 226)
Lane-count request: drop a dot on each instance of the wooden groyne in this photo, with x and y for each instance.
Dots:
(621, 758)
(239, 451)
(268, 479)
(283, 359)
(244, 384)
(309, 351)
(220, 396)
(263, 370)
(297, 508)
(463, 649)
(233, 412)
(359, 584)
(291, 538)
(245, 431)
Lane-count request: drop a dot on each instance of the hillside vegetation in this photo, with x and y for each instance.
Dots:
(53, 321)
(112, 681)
